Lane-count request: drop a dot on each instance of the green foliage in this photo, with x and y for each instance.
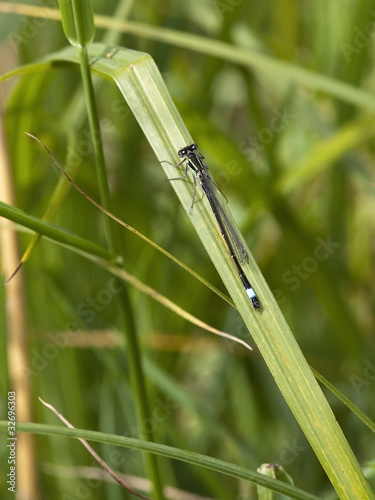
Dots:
(78, 21)
(279, 97)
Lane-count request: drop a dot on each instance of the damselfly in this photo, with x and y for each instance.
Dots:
(195, 162)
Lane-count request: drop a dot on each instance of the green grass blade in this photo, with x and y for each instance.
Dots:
(365, 419)
(167, 451)
(275, 471)
(54, 233)
(96, 254)
(78, 21)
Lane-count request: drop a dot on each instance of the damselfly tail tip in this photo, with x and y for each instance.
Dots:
(253, 298)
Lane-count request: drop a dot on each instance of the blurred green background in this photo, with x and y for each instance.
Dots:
(296, 165)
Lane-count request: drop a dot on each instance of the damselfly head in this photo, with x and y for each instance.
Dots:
(187, 151)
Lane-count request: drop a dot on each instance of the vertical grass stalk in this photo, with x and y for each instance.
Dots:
(75, 24)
